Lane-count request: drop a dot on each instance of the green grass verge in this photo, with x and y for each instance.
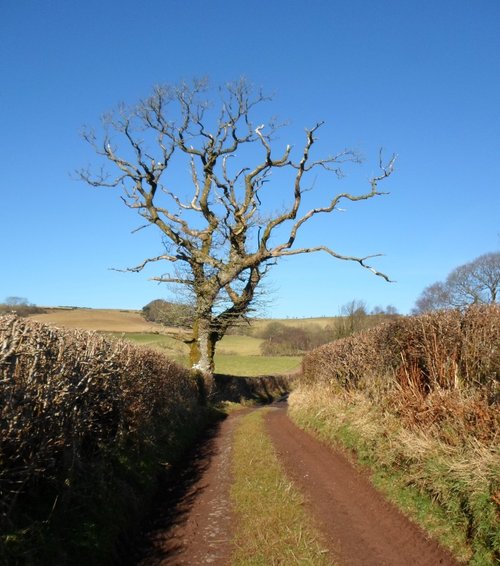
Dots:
(272, 526)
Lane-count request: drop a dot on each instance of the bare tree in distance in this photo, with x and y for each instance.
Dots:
(19, 306)
(168, 313)
(434, 297)
(475, 282)
(389, 310)
(16, 301)
(352, 317)
(219, 236)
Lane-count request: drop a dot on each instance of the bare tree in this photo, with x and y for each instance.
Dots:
(16, 301)
(218, 236)
(486, 272)
(476, 282)
(352, 318)
(434, 297)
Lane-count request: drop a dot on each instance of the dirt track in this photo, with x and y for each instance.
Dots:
(361, 528)
(193, 523)
(358, 525)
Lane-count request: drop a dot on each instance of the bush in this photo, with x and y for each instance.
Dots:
(85, 423)
(284, 340)
(417, 400)
(448, 349)
(168, 314)
(22, 309)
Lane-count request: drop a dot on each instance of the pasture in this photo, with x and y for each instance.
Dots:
(102, 320)
(236, 354)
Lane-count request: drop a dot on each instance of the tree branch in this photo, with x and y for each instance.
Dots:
(360, 260)
(142, 265)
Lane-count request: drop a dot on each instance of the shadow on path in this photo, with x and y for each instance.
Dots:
(174, 501)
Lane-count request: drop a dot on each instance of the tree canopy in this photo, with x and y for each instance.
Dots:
(168, 313)
(219, 237)
(475, 282)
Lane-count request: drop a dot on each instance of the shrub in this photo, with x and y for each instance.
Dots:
(417, 400)
(449, 349)
(168, 313)
(82, 418)
(284, 340)
(20, 309)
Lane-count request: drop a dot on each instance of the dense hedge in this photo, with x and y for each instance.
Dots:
(446, 349)
(417, 400)
(82, 418)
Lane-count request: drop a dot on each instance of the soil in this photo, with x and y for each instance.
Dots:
(359, 526)
(195, 523)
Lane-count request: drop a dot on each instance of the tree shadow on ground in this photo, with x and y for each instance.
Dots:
(263, 389)
(152, 544)
(174, 499)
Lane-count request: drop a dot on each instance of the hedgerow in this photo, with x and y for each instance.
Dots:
(444, 349)
(86, 424)
(417, 400)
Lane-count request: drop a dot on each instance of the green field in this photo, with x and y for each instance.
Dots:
(159, 341)
(255, 365)
(236, 354)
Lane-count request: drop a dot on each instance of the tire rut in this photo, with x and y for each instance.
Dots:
(195, 522)
(359, 525)
(194, 519)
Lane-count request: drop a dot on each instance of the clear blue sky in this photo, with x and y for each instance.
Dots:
(420, 78)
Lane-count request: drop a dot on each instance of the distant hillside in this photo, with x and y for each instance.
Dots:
(114, 320)
(107, 320)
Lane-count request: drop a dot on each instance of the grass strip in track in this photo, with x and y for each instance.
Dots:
(273, 527)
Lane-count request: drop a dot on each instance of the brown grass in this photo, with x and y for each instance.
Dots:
(417, 400)
(105, 320)
(113, 320)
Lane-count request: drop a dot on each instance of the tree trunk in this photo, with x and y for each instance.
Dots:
(203, 347)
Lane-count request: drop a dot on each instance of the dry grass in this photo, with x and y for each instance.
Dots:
(323, 321)
(417, 401)
(112, 320)
(105, 320)
(450, 489)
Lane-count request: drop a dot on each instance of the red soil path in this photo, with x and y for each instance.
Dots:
(360, 528)
(194, 523)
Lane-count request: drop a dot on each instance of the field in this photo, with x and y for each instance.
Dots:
(106, 320)
(113, 320)
(236, 355)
